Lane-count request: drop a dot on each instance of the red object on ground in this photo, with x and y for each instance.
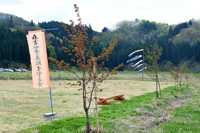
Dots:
(104, 100)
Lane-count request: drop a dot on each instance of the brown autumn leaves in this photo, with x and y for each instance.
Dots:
(80, 51)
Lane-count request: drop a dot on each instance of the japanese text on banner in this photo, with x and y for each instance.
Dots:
(39, 63)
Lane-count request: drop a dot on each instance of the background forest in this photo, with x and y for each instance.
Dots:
(180, 42)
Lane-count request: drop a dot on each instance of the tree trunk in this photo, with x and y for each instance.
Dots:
(85, 105)
(180, 82)
(142, 76)
(88, 121)
(156, 88)
(175, 85)
(159, 88)
(59, 75)
(87, 116)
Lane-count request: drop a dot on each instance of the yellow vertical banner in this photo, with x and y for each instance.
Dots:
(38, 55)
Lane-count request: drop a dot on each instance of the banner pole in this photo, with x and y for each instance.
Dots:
(51, 101)
(143, 64)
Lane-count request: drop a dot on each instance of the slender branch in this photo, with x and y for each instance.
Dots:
(90, 97)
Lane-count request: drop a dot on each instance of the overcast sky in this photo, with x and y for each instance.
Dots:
(103, 13)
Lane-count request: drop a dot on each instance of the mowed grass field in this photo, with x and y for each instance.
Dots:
(23, 107)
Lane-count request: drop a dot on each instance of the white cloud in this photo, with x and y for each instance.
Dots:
(190, 9)
(10, 2)
(101, 13)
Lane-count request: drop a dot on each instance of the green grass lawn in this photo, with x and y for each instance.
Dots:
(125, 117)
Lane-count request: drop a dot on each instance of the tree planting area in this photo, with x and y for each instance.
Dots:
(22, 107)
(94, 86)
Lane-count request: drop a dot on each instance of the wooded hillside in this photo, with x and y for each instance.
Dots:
(180, 42)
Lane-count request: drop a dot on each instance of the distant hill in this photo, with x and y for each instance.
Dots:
(146, 31)
(189, 34)
(16, 23)
(180, 42)
(12, 20)
(13, 43)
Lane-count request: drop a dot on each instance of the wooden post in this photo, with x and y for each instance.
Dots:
(95, 91)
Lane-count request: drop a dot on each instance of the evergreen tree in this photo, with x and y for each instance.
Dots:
(11, 23)
(32, 24)
(190, 22)
(105, 29)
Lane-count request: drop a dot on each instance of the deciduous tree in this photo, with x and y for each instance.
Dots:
(80, 50)
(186, 76)
(152, 56)
(175, 73)
(182, 68)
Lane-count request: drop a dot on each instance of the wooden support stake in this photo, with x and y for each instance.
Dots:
(95, 91)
